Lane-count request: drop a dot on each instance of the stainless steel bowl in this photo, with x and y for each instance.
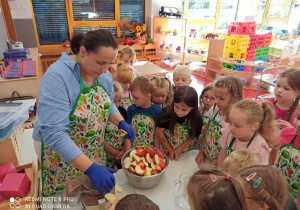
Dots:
(144, 182)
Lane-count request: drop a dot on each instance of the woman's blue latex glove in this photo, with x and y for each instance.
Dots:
(101, 176)
(126, 127)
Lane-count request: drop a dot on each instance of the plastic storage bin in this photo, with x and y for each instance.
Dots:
(198, 68)
(12, 115)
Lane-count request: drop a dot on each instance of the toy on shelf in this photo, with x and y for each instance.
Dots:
(170, 63)
(66, 43)
(161, 30)
(142, 40)
(148, 40)
(127, 41)
(211, 36)
(193, 33)
(163, 45)
(169, 48)
(198, 68)
(242, 28)
(166, 11)
(178, 49)
(175, 32)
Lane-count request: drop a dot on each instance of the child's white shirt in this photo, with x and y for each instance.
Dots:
(212, 112)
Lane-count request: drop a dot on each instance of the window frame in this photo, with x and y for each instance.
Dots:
(205, 21)
(51, 49)
(276, 19)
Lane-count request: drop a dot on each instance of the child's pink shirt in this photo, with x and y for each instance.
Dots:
(258, 145)
(126, 95)
(287, 135)
(279, 112)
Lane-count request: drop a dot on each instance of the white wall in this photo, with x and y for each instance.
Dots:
(20, 9)
(3, 36)
(247, 8)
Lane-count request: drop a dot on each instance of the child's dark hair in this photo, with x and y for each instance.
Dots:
(208, 87)
(136, 202)
(293, 78)
(189, 96)
(92, 40)
(213, 189)
(272, 189)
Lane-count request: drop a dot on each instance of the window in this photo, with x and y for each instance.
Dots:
(202, 9)
(51, 21)
(279, 8)
(134, 9)
(261, 7)
(227, 13)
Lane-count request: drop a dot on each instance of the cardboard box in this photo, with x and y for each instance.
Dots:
(15, 185)
(6, 169)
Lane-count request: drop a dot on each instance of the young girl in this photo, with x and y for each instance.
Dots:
(114, 145)
(251, 127)
(163, 94)
(179, 124)
(212, 189)
(287, 97)
(288, 155)
(207, 99)
(227, 91)
(124, 76)
(264, 187)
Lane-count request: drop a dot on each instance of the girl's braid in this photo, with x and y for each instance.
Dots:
(293, 107)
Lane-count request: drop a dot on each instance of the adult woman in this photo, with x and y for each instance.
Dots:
(73, 110)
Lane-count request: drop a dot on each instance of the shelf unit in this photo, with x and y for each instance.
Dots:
(214, 67)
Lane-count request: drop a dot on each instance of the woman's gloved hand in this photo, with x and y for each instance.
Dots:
(101, 176)
(126, 127)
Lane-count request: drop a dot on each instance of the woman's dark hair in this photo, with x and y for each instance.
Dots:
(92, 40)
(189, 96)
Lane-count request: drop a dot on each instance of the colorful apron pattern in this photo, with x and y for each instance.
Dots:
(212, 145)
(144, 127)
(288, 163)
(199, 139)
(112, 136)
(126, 102)
(229, 149)
(86, 128)
(181, 134)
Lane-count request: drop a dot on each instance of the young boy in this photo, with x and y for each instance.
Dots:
(134, 202)
(128, 56)
(141, 115)
(181, 77)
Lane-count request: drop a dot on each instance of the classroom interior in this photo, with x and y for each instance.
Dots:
(253, 40)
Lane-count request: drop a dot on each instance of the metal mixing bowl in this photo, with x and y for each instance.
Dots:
(144, 182)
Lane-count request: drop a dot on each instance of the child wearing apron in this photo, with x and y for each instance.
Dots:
(179, 124)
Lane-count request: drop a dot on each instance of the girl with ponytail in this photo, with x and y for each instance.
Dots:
(252, 127)
(287, 95)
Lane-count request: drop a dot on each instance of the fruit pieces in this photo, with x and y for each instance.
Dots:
(140, 152)
(148, 172)
(151, 151)
(122, 133)
(160, 153)
(110, 197)
(139, 170)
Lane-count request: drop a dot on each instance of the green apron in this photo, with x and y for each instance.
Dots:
(288, 163)
(229, 149)
(181, 134)
(86, 128)
(289, 117)
(212, 145)
(126, 102)
(144, 127)
(199, 140)
(112, 136)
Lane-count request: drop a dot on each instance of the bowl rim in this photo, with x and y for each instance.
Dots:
(144, 177)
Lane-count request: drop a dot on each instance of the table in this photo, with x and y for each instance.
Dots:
(162, 194)
(145, 68)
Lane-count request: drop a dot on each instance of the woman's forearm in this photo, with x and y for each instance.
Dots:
(81, 162)
(116, 118)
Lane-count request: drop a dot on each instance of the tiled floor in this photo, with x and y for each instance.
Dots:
(199, 83)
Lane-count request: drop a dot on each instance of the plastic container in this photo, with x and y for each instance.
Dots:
(198, 67)
(12, 115)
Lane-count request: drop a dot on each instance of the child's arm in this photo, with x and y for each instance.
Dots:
(200, 157)
(110, 149)
(183, 146)
(273, 156)
(127, 146)
(221, 157)
(159, 132)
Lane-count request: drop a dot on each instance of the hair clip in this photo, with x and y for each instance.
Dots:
(228, 176)
(260, 104)
(251, 176)
(257, 182)
(213, 178)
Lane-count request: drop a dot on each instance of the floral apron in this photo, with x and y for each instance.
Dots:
(144, 127)
(289, 117)
(229, 149)
(181, 133)
(205, 122)
(212, 145)
(112, 136)
(288, 163)
(126, 102)
(86, 128)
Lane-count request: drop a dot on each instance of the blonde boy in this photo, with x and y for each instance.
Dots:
(128, 56)
(181, 77)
